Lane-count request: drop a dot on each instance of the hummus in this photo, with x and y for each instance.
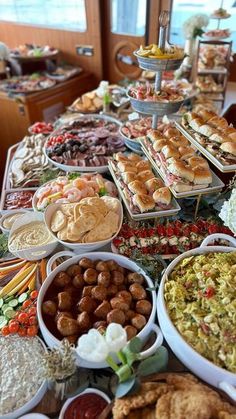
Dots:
(30, 235)
(9, 221)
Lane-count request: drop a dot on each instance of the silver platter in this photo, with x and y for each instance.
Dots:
(133, 144)
(152, 108)
(156, 64)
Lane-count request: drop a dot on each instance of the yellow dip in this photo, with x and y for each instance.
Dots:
(30, 235)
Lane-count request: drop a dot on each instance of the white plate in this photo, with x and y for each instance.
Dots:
(88, 390)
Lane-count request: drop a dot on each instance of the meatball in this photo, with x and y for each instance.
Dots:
(144, 307)
(102, 266)
(104, 278)
(74, 270)
(112, 265)
(116, 316)
(122, 287)
(137, 292)
(99, 292)
(83, 321)
(90, 276)
(87, 291)
(64, 301)
(103, 309)
(70, 289)
(125, 295)
(87, 304)
(101, 323)
(86, 263)
(117, 278)
(78, 280)
(49, 307)
(129, 315)
(67, 326)
(72, 338)
(135, 277)
(61, 279)
(112, 290)
(63, 313)
(118, 302)
(131, 332)
(138, 321)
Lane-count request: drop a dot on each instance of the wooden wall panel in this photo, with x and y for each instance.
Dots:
(14, 34)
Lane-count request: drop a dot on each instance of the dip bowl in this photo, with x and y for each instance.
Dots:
(89, 391)
(150, 326)
(9, 214)
(198, 364)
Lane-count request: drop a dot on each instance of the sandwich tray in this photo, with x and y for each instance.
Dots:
(222, 167)
(157, 64)
(215, 187)
(144, 216)
(157, 108)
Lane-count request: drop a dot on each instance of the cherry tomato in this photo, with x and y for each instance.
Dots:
(13, 326)
(5, 331)
(32, 320)
(32, 330)
(169, 231)
(23, 317)
(32, 311)
(213, 229)
(210, 291)
(26, 303)
(22, 331)
(34, 294)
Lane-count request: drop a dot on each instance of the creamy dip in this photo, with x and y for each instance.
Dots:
(9, 221)
(30, 235)
(21, 371)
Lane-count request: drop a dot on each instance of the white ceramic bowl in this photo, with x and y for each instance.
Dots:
(80, 247)
(52, 341)
(87, 391)
(6, 215)
(31, 403)
(35, 252)
(199, 365)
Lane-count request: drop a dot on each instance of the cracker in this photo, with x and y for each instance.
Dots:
(58, 221)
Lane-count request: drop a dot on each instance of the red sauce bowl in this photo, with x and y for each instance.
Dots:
(87, 405)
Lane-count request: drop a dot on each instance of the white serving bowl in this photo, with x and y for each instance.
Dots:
(35, 252)
(79, 247)
(6, 215)
(199, 365)
(52, 341)
(31, 403)
(87, 391)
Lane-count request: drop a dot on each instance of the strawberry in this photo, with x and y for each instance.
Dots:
(194, 228)
(213, 228)
(169, 231)
(161, 230)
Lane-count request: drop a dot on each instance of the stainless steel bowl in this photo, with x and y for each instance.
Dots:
(151, 107)
(155, 64)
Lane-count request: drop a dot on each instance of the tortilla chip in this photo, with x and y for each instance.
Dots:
(58, 221)
(113, 204)
(62, 234)
(67, 209)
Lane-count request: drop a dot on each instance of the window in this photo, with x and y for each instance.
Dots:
(59, 14)
(128, 17)
(183, 9)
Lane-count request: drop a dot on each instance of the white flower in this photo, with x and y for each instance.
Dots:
(102, 89)
(194, 22)
(228, 212)
(92, 347)
(116, 337)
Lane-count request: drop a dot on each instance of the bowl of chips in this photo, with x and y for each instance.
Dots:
(87, 225)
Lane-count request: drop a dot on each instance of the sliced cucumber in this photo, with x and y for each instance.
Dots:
(5, 307)
(13, 303)
(9, 298)
(23, 297)
(10, 313)
(1, 302)
(3, 321)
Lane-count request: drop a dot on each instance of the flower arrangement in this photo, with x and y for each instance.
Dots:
(95, 347)
(228, 212)
(4, 52)
(194, 25)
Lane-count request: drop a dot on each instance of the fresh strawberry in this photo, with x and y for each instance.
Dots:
(194, 228)
(161, 230)
(213, 228)
(169, 231)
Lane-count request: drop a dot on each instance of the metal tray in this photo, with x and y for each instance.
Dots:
(50, 55)
(222, 167)
(157, 108)
(133, 144)
(144, 216)
(215, 187)
(157, 64)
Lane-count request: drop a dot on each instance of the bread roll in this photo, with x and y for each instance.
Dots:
(207, 130)
(143, 165)
(159, 144)
(182, 187)
(154, 134)
(128, 176)
(134, 158)
(202, 176)
(196, 124)
(182, 170)
(126, 167)
(171, 132)
(206, 115)
(170, 151)
(186, 152)
(145, 175)
(179, 141)
(162, 196)
(232, 135)
(189, 116)
(143, 202)
(219, 137)
(229, 148)
(154, 184)
(121, 157)
(218, 122)
(137, 187)
(197, 161)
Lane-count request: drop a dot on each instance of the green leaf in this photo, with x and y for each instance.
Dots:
(73, 175)
(154, 363)
(126, 387)
(130, 357)
(135, 345)
(124, 373)
(102, 192)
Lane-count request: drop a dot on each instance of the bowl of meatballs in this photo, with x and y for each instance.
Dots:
(91, 291)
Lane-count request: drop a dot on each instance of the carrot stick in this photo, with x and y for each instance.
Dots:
(10, 262)
(43, 272)
(24, 288)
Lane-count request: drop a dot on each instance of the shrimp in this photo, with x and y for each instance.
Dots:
(94, 185)
(86, 176)
(62, 201)
(73, 195)
(43, 203)
(62, 180)
(79, 183)
(111, 189)
(87, 192)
